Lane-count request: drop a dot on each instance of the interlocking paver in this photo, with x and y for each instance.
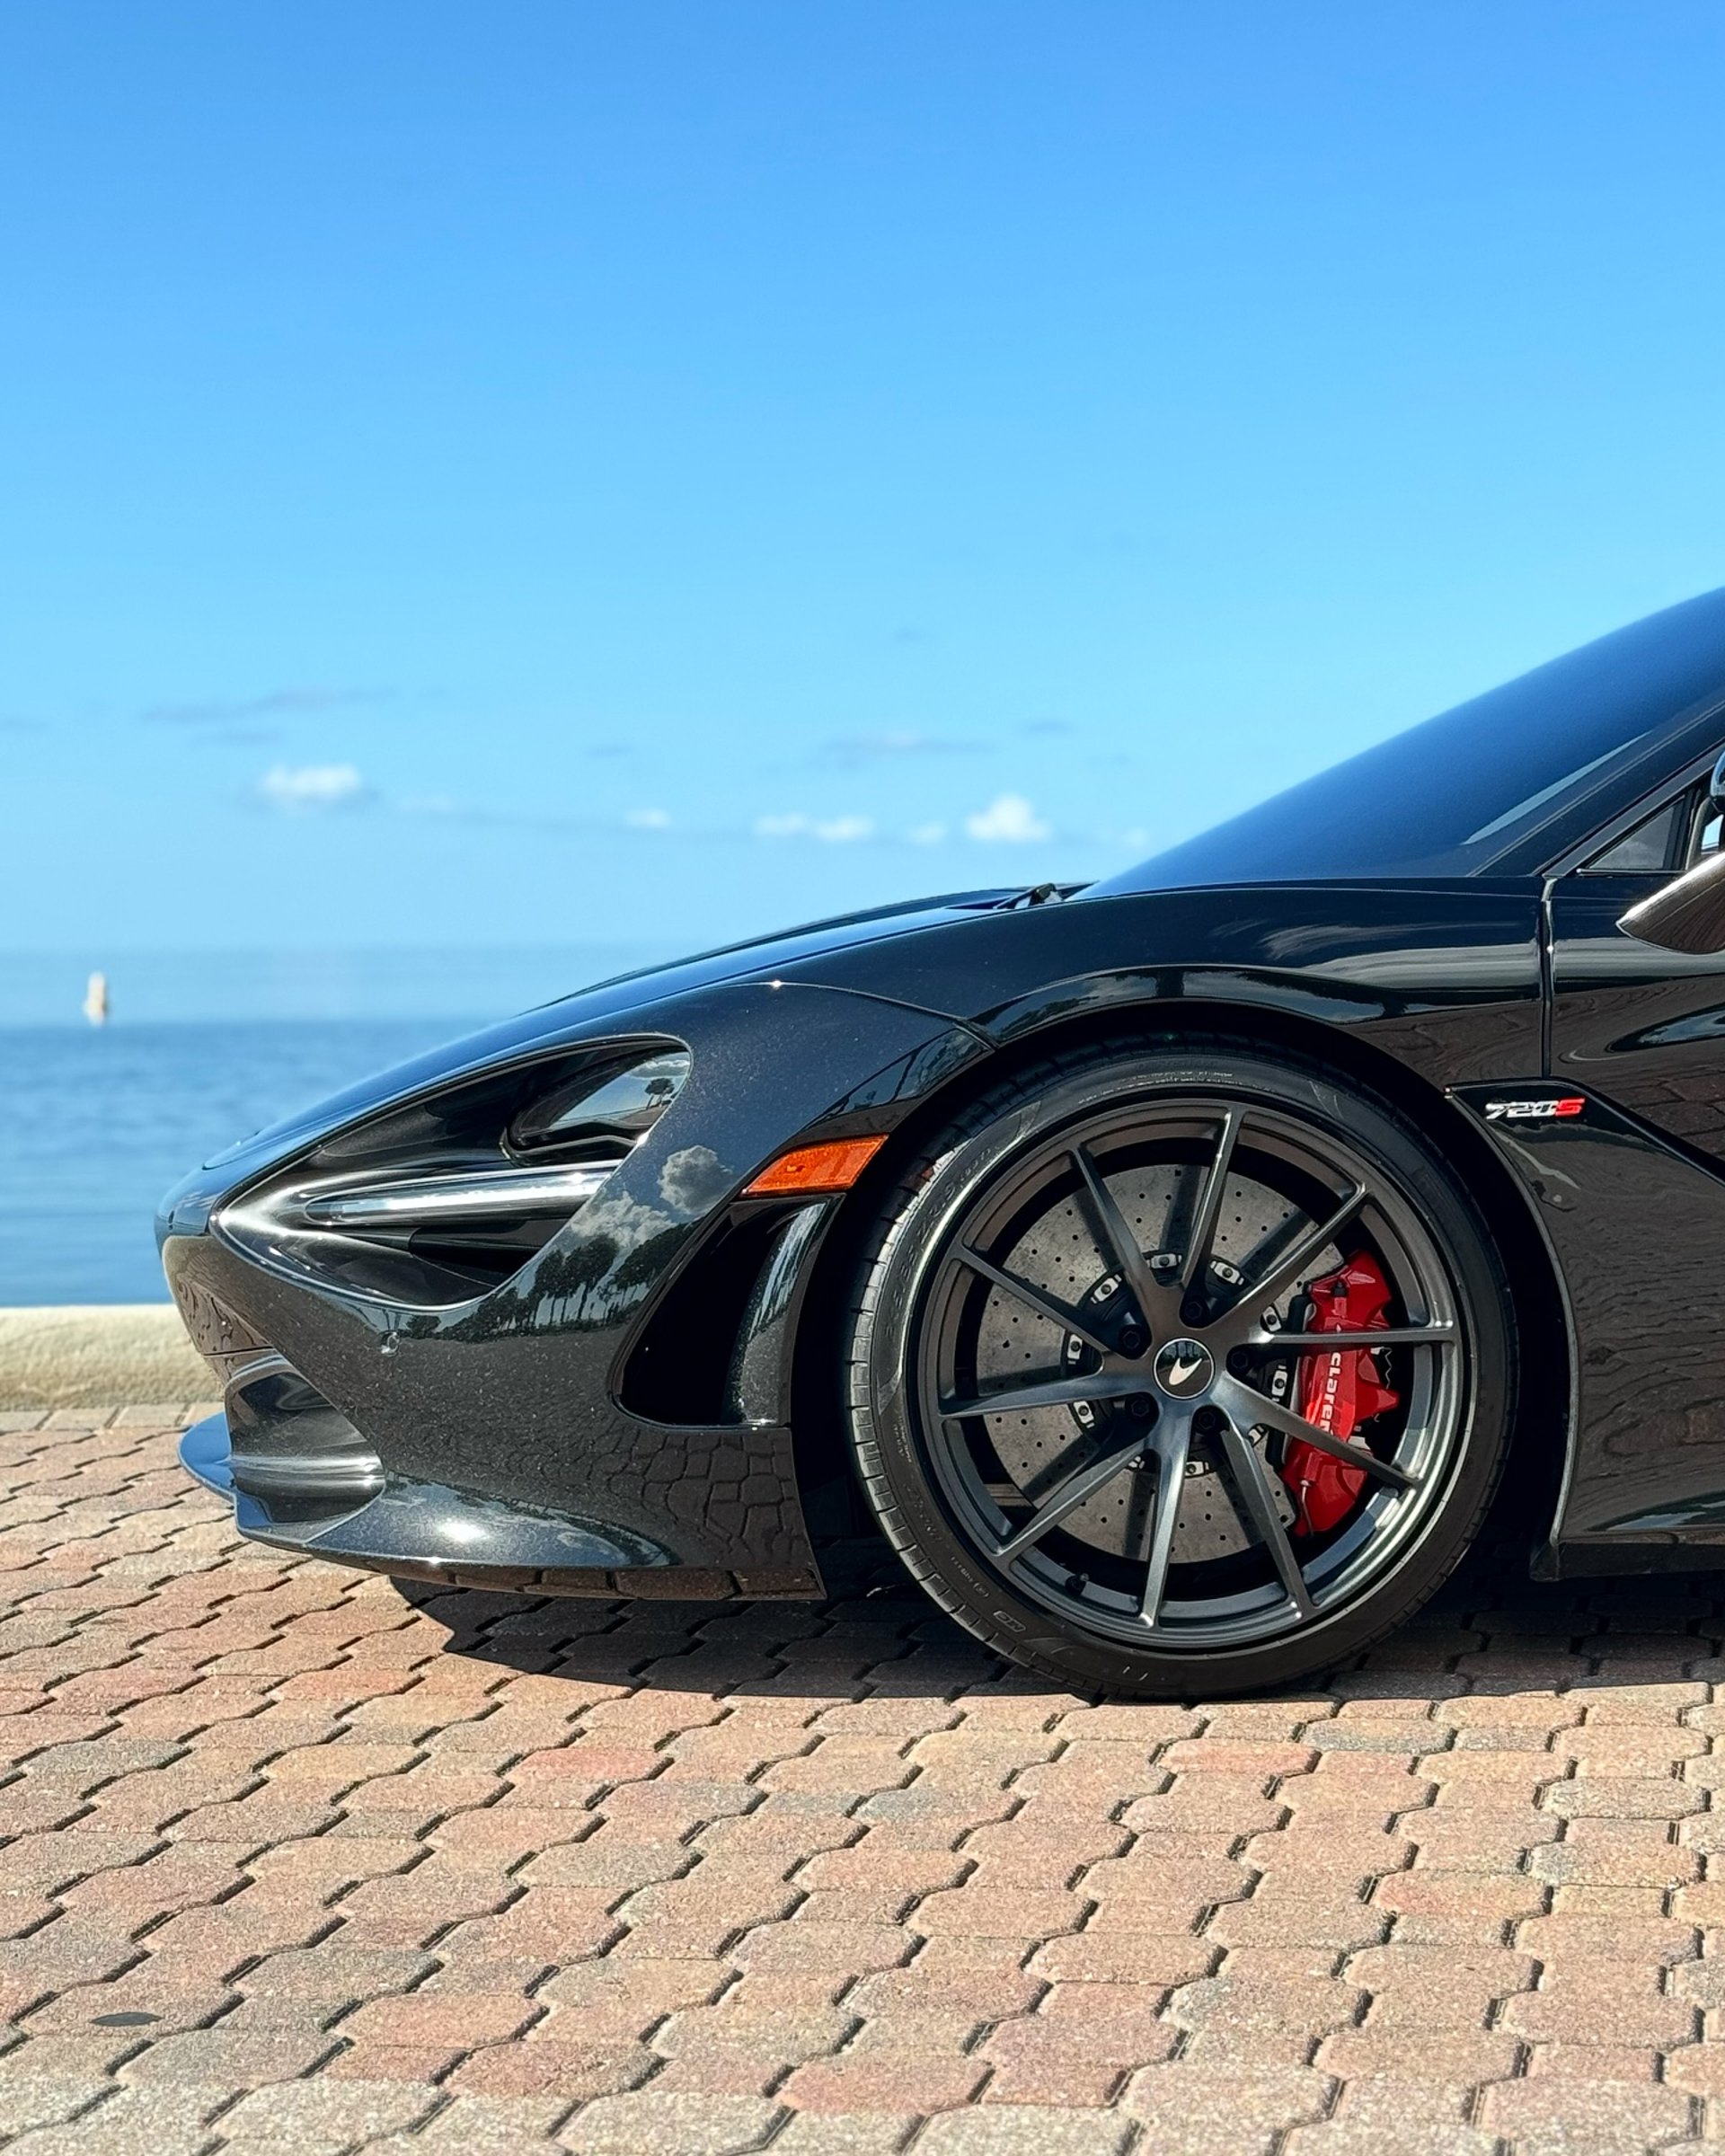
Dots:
(889, 2080)
(845, 2133)
(1027, 2130)
(645, 2124)
(26, 2103)
(321, 2117)
(1547, 2116)
(157, 2121)
(295, 1857)
(229, 2059)
(1206, 2109)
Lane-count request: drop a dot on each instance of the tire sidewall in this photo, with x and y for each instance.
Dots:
(904, 1256)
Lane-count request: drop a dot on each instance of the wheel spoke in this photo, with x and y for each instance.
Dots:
(1119, 1245)
(1391, 1335)
(1047, 1392)
(1068, 1495)
(1255, 1487)
(1245, 1404)
(1033, 1297)
(1290, 1266)
(1168, 1445)
(1203, 1233)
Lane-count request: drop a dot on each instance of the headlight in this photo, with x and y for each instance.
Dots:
(602, 1112)
(434, 1203)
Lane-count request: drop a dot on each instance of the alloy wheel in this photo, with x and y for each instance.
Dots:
(1110, 1356)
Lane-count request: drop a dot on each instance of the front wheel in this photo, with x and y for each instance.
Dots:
(1180, 1370)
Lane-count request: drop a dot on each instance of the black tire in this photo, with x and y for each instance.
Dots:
(1237, 1596)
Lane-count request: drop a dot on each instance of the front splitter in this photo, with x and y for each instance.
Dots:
(428, 1530)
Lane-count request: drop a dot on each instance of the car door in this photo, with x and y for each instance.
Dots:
(1638, 1221)
(1635, 1024)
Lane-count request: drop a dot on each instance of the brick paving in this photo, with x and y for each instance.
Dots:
(292, 1857)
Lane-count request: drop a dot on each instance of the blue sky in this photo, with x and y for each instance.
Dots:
(549, 472)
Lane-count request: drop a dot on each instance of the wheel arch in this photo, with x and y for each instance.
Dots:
(1541, 1432)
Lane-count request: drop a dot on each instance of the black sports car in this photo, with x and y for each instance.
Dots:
(1171, 1267)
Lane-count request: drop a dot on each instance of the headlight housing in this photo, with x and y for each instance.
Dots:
(433, 1204)
(600, 1115)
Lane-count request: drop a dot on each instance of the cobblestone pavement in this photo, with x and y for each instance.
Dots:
(295, 1859)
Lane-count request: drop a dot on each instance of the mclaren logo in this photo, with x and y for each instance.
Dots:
(1533, 1111)
(1183, 1367)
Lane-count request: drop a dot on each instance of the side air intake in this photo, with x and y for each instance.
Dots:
(294, 1454)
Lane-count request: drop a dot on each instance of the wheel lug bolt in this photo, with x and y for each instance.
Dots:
(1191, 1311)
(1138, 1405)
(1239, 1361)
(1131, 1339)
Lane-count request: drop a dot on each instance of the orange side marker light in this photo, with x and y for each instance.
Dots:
(807, 1168)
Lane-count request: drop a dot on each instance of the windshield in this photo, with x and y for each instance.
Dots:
(1499, 783)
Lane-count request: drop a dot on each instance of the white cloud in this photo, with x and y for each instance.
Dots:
(836, 830)
(693, 1179)
(927, 834)
(1009, 817)
(648, 819)
(294, 786)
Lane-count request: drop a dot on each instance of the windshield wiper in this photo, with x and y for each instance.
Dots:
(1039, 894)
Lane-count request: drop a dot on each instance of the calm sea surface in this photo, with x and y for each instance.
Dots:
(96, 1124)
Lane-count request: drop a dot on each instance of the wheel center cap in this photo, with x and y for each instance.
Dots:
(1184, 1368)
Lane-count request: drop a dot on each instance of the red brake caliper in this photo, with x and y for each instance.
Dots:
(1338, 1391)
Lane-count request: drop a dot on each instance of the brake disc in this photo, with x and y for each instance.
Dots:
(1058, 1253)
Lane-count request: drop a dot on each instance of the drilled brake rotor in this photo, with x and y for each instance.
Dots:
(1058, 1253)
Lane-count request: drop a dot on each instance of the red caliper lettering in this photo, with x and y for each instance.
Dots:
(1338, 1392)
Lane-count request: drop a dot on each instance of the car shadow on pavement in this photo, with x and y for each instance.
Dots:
(1491, 1629)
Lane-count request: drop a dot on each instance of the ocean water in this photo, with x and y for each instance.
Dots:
(46, 987)
(204, 1047)
(96, 1123)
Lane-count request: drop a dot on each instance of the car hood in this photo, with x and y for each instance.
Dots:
(609, 999)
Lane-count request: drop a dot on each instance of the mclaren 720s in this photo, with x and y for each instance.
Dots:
(1170, 1266)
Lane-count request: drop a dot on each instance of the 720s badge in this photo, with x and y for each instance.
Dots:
(1533, 1111)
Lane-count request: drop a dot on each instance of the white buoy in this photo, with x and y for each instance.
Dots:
(96, 1000)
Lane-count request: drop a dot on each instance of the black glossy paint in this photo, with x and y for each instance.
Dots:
(1637, 1230)
(1500, 785)
(510, 1429)
(512, 1398)
(1639, 1024)
(1445, 978)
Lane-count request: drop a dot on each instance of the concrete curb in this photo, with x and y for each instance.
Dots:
(71, 1356)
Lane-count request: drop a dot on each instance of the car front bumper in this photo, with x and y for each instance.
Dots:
(496, 1442)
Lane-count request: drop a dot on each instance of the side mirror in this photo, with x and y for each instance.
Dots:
(1687, 915)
